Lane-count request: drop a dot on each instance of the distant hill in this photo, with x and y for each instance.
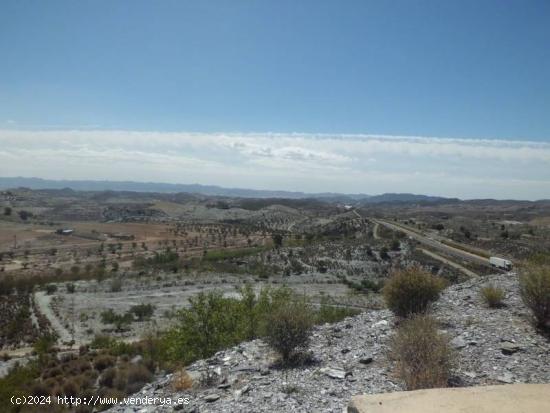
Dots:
(211, 190)
(407, 198)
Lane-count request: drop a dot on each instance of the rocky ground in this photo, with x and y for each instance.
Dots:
(494, 345)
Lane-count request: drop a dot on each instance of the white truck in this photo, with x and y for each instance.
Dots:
(500, 263)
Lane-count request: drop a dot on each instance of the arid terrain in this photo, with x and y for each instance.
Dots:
(80, 270)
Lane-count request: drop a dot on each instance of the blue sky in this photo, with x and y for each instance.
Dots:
(466, 71)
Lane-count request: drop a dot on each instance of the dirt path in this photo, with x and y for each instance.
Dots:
(375, 231)
(43, 303)
(449, 262)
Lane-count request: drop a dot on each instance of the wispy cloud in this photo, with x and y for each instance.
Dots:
(308, 162)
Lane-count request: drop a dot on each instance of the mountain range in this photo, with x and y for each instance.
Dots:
(211, 190)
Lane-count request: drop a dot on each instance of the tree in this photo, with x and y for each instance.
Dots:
(277, 240)
(24, 215)
(7, 211)
(395, 245)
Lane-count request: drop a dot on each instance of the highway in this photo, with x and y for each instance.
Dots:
(431, 242)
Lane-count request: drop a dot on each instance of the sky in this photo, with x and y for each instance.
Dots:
(438, 97)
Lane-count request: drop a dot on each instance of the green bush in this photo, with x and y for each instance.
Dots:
(210, 323)
(214, 322)
(411, 291)
(535, 291)
(43, 345)
(18, 382)
(290, 329)
(114, 346)
(143, 311)
(492, 296)
(423, 357)
(167, 260)
(120, 321)
(365, 285)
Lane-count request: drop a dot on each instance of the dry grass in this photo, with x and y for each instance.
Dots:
(411, 291)
(492, 296)
(424, 359)
(181, 380)
(535, 292)
(289, 330)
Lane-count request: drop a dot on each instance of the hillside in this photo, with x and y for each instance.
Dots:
(495, 346)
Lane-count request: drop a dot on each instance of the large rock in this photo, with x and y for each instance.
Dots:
(509, 348)
(524, 398)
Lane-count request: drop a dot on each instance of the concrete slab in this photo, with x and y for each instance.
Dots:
(514, 398)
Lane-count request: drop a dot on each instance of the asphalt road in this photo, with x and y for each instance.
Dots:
(436, 244)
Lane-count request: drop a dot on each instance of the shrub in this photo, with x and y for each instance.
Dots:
(535, 292)
(411, 291)
(167, 260)
(51, 288)
(108, 377)
(214, 322)
(492, 296)
(24, 215)
(70, 288)
(277, 240)
(395, 245)
(121, 378)
(137, 376)
(208, 325)
(104, 361)
(39, 389)
(101, 341)
(181, 380)
(17, 382)
(43, 345)
(289, 329)
(424, 359)
(142, 311)
(116, 285)
(120, 321)
(70, 388)
(384, 253)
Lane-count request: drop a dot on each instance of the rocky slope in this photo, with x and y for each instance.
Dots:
(494, 345)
